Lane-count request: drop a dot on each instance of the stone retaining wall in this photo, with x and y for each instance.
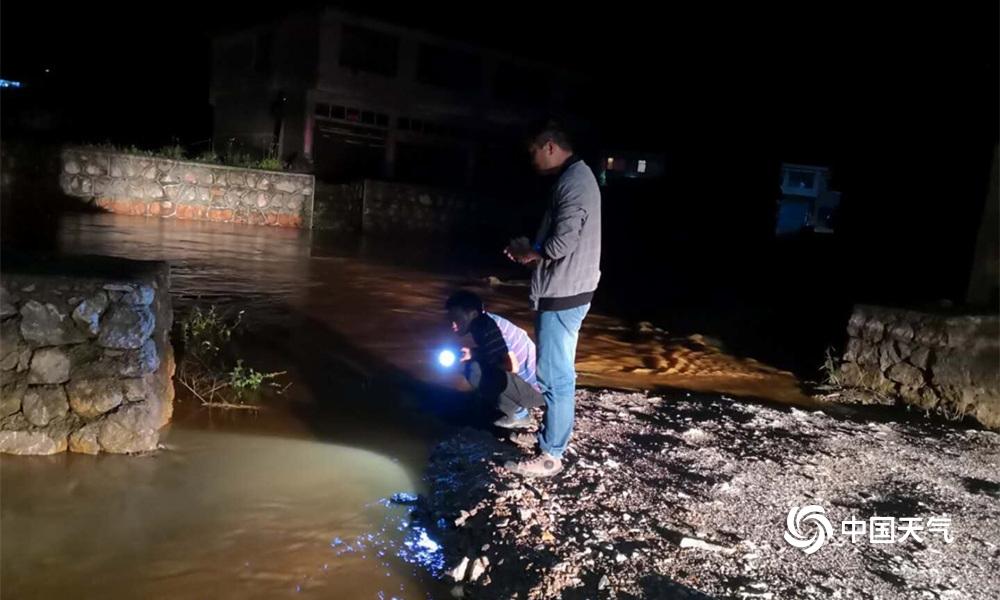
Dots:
(946, 363)
(164, 188)
(338, 207)
(85, 360)
(403, 208)
(384, 207)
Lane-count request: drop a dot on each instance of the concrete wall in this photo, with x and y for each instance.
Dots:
(85, 358)
(945, 363)
(164, 188)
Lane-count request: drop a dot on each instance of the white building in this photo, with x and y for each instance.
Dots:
(356, 97)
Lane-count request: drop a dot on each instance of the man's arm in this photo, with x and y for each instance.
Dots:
(567, 224)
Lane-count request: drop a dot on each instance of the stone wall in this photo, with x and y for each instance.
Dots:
(383, 207)
(338, 207)
(403, 208)
(85, 356)
(945, 363)
(164, 188)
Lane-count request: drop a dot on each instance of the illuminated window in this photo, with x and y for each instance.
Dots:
(641, 168)
(804, 180)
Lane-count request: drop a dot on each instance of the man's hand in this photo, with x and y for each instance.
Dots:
(520, 251)
(524, 257)
(465, 355)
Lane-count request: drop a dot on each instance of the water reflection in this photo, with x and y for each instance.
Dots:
(222, 515)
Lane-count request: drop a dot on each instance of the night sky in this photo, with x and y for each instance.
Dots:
(702, 72)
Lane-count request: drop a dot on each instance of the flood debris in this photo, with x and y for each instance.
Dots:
(687, 496)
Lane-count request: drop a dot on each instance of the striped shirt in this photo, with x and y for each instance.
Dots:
(495, 336)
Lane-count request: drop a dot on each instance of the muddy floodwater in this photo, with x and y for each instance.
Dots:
(293, 500)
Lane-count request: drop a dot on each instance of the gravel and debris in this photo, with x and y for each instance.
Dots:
(686, 496)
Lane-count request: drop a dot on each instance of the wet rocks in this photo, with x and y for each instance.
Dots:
(87, 313)
(131, 429)
(91, 398)
(49, 365)
(11, 344)
(935, 361)
(126, 326)
(43, 403)
(38, 442)
(11, 396)
(84, 440)
(45, 325)
(85, 360)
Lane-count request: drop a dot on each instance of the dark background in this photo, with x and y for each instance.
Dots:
(902, 104)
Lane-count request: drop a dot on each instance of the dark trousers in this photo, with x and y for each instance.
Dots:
(507, 390)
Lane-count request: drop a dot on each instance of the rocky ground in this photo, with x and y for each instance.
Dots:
(687, 496)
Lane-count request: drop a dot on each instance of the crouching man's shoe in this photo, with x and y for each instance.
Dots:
(524, 439)
(543, 465)
(509, 422)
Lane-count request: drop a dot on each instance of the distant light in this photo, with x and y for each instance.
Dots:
(642, 166)
(446, 358)
(7, 83)
(611, 163)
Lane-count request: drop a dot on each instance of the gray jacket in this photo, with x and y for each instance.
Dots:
(569, 239)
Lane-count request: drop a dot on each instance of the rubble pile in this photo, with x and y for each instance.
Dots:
(688, 497)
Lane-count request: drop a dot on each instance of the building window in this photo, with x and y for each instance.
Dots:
(368, 50)
(801, 180)
(448, 68)
(641, 167)
(344, 113)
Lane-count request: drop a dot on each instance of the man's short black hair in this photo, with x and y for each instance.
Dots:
(464, 300)
(550, 130)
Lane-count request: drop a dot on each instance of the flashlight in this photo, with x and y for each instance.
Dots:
(447, 358)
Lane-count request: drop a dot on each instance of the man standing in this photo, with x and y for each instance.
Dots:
(566, 257)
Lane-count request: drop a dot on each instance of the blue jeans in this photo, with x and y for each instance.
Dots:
(557, 332)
